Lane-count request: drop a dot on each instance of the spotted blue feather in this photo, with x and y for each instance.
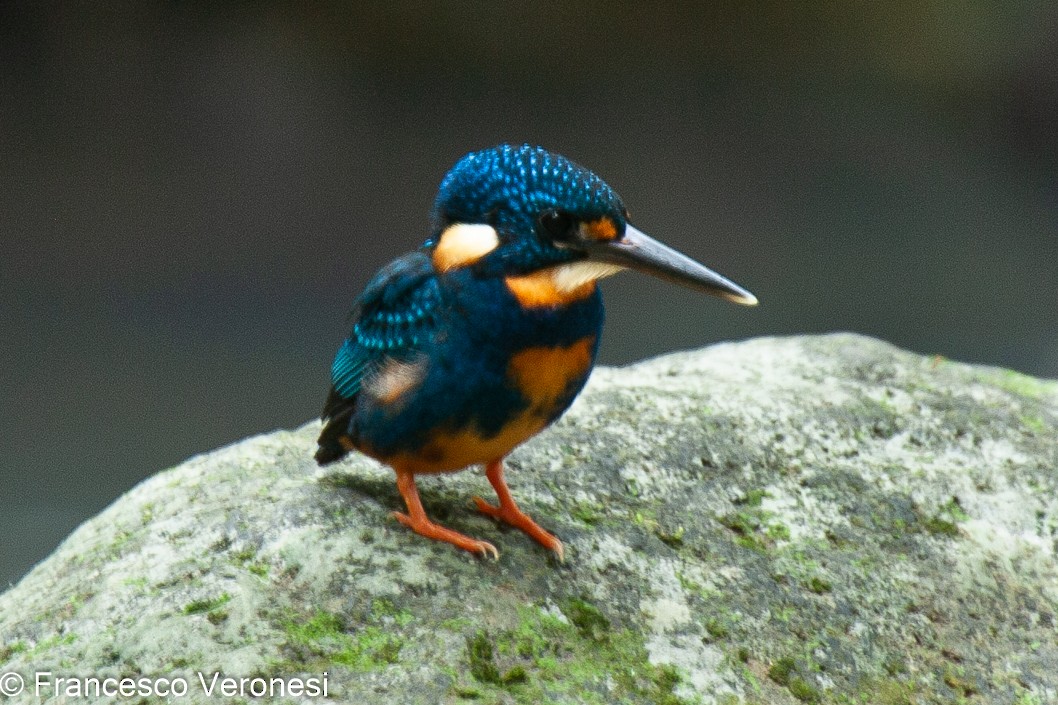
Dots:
(396, 315)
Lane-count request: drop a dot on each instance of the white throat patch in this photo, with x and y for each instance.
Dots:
(572, 276)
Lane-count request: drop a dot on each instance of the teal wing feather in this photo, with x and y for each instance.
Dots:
(395, 316)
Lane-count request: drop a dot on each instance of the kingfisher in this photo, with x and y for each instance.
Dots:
(467, 347)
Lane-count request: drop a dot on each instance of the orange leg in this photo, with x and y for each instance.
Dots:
(416, 520)
(509, 512)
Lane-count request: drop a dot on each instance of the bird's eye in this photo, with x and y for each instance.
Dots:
(556, 226)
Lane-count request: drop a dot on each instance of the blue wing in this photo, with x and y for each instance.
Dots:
(395, 316)
(348, 369)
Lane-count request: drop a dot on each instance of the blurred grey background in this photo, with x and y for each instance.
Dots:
(192, 194)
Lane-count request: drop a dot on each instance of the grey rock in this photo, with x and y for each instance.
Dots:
(818, 519)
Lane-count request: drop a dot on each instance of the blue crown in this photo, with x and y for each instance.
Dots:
(510, 186)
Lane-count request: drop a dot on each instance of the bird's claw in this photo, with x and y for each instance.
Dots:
(437, 532)
(520, 520)
(487, 550)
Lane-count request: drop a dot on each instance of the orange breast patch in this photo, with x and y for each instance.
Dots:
(543, 374)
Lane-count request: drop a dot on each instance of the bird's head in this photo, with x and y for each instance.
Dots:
(524, 212)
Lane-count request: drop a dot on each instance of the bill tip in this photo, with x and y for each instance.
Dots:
(746, 299)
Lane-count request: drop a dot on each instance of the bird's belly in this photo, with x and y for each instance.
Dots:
(538, 384)
(449, 451)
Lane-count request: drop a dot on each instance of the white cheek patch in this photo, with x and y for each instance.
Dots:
(569, 277)
(462, 244)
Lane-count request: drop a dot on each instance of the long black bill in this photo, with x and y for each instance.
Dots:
(637, 250)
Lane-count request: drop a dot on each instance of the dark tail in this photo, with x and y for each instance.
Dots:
(331, 448)
(336, 415)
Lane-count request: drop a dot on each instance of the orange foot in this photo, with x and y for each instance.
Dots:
(509, 512)
(416, 520)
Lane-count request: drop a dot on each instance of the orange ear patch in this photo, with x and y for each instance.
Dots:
(462, 244)
(601, 229)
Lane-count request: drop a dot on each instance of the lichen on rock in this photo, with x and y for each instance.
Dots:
(811, 519)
